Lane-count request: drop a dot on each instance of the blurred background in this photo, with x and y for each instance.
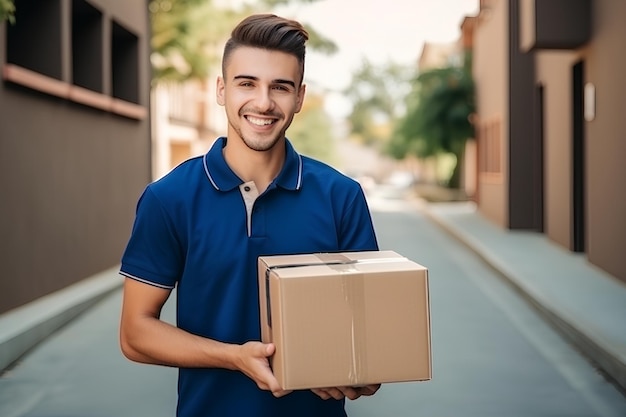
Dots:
(510, 109)
(101, 97)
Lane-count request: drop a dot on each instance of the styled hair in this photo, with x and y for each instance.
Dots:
(268, 31)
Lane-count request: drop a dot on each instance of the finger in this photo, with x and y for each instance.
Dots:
(259, 368)
(335, 393)
(370, 389)
(321, 393)
(328, 393)
(270, 348)
(268, 382)
(350, 392)
(281, 393)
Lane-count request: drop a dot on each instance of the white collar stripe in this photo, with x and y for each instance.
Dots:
(206, 171)
(299, 184)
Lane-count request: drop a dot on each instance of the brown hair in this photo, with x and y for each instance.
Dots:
(268, 31)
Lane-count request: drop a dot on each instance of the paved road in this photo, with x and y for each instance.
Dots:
(493, 356)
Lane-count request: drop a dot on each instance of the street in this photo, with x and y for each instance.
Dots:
(492, 354)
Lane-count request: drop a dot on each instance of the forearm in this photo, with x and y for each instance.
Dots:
(145, 338)
(150, 340)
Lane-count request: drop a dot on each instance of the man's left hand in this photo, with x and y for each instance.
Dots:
(352, 393)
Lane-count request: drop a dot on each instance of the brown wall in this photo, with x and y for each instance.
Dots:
(555, 74)
(70, 176)
(606, 139)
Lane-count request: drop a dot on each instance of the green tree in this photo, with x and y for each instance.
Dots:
(311, 130)
(376, 95)
(438, 117)
(7, 11)
(187, 35)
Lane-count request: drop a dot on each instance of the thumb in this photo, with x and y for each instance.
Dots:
(270, 349)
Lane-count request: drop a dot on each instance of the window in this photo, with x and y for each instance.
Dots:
(37, 55)
(34, 41)
(490, 147)
(125, 64)
(87, 56)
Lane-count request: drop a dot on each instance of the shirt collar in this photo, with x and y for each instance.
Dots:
(224, 179)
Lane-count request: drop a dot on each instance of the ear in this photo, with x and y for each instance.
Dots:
(219, 91)
(300, 98)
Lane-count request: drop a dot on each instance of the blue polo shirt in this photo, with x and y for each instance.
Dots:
(201, 229)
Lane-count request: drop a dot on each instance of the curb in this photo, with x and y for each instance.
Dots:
(24, 327)
(601, 354)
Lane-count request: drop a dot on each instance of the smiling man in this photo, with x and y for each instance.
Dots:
(201, 228)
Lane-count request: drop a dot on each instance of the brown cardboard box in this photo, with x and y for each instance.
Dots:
(345, 319)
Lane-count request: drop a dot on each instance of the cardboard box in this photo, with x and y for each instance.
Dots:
(345, 319)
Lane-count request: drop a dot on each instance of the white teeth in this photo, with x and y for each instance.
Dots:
(260, 122)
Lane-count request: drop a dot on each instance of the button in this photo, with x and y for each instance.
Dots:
(246, 188)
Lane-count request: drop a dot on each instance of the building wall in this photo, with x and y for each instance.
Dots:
(523, 158)
(604, 146)
(606, 139)
(186, 120)
(554, 73)
(490, 70)
(70, 173)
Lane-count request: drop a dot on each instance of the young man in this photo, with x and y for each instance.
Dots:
(202, 227)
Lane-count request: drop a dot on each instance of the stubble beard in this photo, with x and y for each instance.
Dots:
(262, 144)
(259, 145)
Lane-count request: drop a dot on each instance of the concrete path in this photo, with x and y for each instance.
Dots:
(586, 304)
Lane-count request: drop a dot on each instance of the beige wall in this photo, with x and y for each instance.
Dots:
(490, 70)
(605, 139)
(604, 136)
(554, 72)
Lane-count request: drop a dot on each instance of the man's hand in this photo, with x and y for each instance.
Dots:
(352, 393)
(253, 361)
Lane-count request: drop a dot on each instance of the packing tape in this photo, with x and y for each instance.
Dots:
(330, 259)
(353, 287)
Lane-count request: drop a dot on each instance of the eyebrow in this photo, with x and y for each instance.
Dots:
(253, 78)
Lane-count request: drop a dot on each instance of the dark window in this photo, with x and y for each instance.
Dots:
(87, 65)
(125, 64)
(34, 41)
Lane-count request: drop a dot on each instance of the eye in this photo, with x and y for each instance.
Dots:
(280, 87)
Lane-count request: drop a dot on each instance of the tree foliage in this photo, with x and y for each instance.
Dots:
(187, 35)
(438, 116)
(376, 95)
(311, 130)
(7, 11)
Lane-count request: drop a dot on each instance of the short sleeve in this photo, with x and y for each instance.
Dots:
(357, 229)
(154, 253)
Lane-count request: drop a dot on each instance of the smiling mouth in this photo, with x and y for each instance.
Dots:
(260, 122)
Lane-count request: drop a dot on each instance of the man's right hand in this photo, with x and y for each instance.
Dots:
(253, 361)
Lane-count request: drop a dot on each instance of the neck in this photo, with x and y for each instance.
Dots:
(258, 166)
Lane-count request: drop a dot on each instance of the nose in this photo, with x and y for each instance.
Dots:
(264, 100)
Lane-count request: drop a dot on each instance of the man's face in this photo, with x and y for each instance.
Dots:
(261, 92)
